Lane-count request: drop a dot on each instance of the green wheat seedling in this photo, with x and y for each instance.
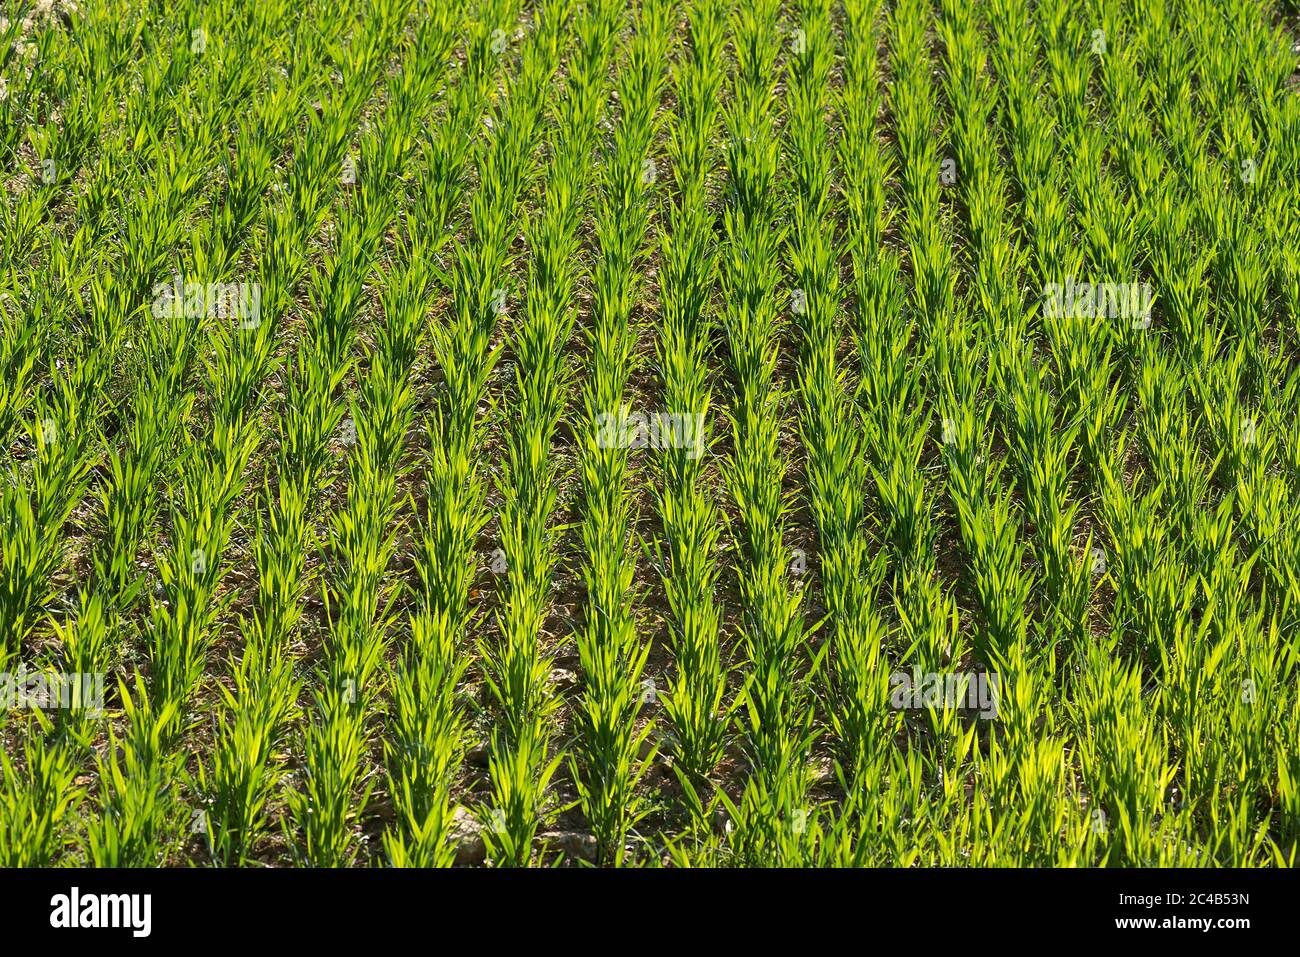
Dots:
(776, 717)
(694, 704)
(139, 802)
(361, 540)
(517, 670)
(611, 757)
(36, 793)
(429, 736)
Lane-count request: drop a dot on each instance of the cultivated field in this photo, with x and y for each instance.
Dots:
(650, 432)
